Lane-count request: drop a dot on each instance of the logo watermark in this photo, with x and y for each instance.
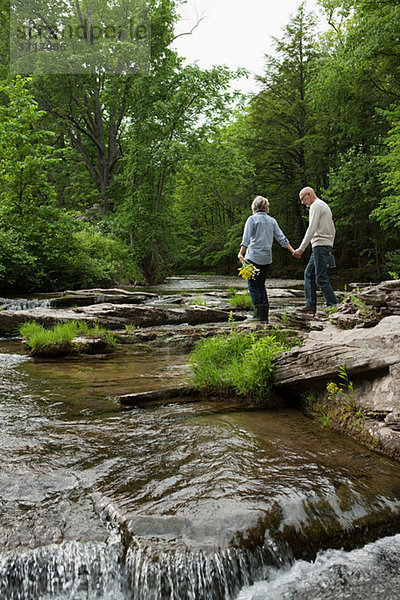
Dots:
(79, 36)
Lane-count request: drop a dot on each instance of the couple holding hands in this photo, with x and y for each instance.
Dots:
(256, 248)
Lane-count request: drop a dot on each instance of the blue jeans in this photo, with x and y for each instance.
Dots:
(316, 274)
(258, 293)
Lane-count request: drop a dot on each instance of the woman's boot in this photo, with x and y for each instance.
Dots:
(261, 312)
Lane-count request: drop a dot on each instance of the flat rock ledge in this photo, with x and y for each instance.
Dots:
(371, 358)
(112, 316)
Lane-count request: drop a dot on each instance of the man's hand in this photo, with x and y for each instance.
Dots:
(298, 253)
(240, 257)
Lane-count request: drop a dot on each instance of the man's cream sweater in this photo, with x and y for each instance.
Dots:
(321, 230)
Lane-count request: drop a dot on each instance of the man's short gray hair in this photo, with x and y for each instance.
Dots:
(260, 204)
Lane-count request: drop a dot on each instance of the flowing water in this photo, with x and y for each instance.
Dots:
(196, 501)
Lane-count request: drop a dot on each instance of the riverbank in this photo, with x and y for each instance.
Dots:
(346, 374)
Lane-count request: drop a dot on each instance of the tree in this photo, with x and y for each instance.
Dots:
(179, 107)
(34, 233)
(355, 90)
(213, 192)
(41, 246)
(280, 138)
(90, 108)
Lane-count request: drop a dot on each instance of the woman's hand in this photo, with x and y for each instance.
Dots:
(241, 257)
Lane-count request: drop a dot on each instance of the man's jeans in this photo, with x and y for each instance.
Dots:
(316, 274)
(258, 293)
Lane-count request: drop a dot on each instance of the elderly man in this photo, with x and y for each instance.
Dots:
(321, 234)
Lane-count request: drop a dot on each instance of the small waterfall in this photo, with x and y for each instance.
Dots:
(71, 570)
(24, 303)
(199, 576)
(369, 572)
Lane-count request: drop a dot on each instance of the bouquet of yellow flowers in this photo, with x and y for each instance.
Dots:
(248, 271)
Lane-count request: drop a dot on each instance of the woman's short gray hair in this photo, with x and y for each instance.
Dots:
(260, 204)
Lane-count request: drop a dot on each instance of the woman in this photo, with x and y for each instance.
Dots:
(258, 236)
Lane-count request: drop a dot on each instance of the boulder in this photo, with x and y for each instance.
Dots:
(358, 350)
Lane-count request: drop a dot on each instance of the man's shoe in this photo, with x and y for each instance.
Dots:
(306, 310)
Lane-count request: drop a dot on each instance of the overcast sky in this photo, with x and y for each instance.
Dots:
(237, 33)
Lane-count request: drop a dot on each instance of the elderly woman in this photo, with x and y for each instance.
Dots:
(258, 236)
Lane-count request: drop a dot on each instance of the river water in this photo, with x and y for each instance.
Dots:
(196, 501)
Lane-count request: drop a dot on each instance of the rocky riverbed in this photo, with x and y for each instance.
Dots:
(201, 499)
(362, 338)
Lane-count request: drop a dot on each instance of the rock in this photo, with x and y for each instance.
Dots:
(79, 345)
(371, 358)
(87, 345)
(112, 316)
(123, 292)
(117, 316)
(182, 394)
(71, 298)
(365, 307)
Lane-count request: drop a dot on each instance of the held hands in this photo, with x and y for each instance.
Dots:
(298, 253)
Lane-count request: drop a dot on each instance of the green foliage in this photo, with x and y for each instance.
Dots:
(42, 246)
(217, 173)
(325, 418)
(340, 409)
(101, 260)
(34, 233)
(355, 182)
(344, 390)
(393, 264)
(198, 301)
(239, 364)
(388, 211)
(356, 96)
(278, 131)
(365, 311)
(241, 301)
(58, 339)
(162, 168)
(179, 107)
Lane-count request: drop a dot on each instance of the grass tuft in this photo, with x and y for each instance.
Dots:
(241, 364)
(58, 339)
(241, 301)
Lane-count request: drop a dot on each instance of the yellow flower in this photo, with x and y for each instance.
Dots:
(248, 271)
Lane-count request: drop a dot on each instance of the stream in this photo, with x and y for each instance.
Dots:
(197, 501)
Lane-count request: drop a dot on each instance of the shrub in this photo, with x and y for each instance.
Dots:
(238, 363)
(102, 260)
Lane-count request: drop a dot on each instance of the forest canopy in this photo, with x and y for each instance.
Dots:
(120, 163)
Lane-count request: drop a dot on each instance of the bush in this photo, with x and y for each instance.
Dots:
(58, 339)
(393, 264)
(101, 260)
(53, 250)
(239, 363)
(43, 247)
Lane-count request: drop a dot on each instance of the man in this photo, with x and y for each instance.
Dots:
(321, 234)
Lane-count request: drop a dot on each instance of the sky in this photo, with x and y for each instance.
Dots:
(237, 33)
